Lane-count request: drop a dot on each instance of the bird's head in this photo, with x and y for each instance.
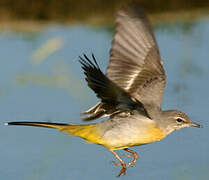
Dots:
(173, 120)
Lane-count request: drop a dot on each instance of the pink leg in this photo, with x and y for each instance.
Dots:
(133, 154)
(123, 170)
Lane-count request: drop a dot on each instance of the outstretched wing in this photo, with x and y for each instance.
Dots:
(135, 63)
(113, 98)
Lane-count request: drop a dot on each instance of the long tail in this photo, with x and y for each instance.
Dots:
(38, 124)
(88, 132)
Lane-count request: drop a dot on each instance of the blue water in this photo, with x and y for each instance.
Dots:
(52, 88)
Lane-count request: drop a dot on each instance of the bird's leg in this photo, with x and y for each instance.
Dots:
(123, 170)
(133, 154)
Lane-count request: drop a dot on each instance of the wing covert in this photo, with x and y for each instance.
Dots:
(113, 98)
(135, 63)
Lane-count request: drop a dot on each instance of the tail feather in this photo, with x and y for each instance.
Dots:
(39, 124)
(88, 132)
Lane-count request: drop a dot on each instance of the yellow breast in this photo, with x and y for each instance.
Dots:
(121, 139)
(151, 133)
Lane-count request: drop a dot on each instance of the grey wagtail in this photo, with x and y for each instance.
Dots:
(131, 92)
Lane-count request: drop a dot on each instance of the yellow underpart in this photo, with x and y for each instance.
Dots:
(152, 134)
(88, 132)
(91, 133)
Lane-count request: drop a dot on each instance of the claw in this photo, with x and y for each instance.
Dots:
(122, 171)
(124, 167)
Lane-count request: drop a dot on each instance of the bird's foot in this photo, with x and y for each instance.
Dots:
(132, 163)
(123, 170)
(134, 155)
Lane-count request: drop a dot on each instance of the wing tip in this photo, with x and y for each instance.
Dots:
(87, 63)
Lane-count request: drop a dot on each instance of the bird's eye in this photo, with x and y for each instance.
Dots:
(179, 120)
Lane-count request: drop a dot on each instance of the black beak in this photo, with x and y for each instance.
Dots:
(195, 125)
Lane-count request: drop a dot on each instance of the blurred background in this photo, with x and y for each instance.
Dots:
(41, 80)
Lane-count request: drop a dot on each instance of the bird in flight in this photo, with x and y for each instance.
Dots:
(131, 92)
